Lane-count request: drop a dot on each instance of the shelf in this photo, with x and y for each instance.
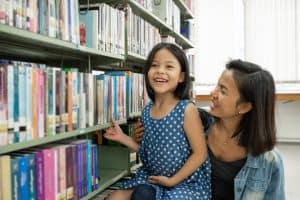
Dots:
(134, 115)
(48, 139)
(184, 10)
(155, 21)
(16, 43)
(107, 178)
(135, 57)
(181, 40)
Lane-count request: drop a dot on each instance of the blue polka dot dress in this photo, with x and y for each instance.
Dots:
(163, 151)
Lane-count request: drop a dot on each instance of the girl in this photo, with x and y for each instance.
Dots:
(173, 151)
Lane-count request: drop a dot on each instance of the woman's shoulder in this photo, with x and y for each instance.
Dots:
(206, 118)
(267, 159)
(273, 156)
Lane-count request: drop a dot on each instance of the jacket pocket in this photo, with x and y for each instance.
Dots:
(256, 185)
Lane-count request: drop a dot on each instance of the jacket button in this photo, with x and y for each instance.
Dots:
(239, 189)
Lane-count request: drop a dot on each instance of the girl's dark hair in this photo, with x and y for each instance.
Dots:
(256, 131)
(183, 89)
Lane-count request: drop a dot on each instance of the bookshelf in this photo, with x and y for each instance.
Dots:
(186, 13)
(22, 45)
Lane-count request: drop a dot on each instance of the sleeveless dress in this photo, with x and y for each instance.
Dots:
(163, 151)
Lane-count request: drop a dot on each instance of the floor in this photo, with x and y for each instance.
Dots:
(291, 160)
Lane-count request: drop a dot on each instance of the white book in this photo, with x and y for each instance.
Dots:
(29, 101)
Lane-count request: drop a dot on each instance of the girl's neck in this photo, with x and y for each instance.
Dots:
(165, 101)
(162, 106)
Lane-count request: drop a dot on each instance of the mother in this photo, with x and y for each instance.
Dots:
(241, 136)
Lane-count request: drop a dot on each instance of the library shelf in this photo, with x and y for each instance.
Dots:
(49, 139)
(18, 43)
(185, 11)
(107, 178)
(155, 21)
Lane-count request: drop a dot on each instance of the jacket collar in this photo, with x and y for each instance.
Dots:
(256, 161)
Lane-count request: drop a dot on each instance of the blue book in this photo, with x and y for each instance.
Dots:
(90, 20)
(32, 172)
(89, 166)
(14, 178)
(23, 176)
(16, 103)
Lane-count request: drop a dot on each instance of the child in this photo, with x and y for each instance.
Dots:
(173, 150)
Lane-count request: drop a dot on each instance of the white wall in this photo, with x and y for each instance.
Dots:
(287, 120)
(218, 37)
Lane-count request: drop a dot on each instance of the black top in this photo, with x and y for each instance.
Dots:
(223, 174)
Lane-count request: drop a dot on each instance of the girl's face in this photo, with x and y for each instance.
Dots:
(165, 72)
(225, 96)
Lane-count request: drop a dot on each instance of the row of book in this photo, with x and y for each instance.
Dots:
(142, 36)
(38, 101)
(61, 171)
(104, 28)
(58, 19)
(169, 13)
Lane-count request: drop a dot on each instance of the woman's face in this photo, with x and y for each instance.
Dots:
(225, 96)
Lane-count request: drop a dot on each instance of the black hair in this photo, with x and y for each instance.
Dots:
(183, 89)
(256, 131)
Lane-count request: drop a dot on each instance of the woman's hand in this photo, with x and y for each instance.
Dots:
(161, 180)
(138, 131)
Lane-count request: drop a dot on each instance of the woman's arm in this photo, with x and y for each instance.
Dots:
(275, 190)
(115, 133)
(195, 135)
(138, 131)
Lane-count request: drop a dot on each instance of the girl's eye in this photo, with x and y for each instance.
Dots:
(170, 67)
(154, 65)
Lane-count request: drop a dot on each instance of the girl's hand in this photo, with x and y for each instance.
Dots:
(161, 180)
(138, 130)
(114, 133)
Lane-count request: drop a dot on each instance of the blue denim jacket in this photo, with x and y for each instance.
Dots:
(261, 178)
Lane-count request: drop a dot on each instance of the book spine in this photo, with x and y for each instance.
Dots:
(40, 175)
(29, 102)
(14, 178)
(5, 177)
(3, 106)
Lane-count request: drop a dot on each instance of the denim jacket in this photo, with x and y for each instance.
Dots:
(261, 178)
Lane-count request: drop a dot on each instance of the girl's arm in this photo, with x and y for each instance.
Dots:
(195, 135)
(115, 133)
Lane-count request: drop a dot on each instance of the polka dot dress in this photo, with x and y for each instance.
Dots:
(163, 151)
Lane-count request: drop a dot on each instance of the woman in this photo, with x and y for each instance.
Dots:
(241, 136)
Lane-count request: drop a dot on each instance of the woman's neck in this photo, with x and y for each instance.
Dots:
(228, 126)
